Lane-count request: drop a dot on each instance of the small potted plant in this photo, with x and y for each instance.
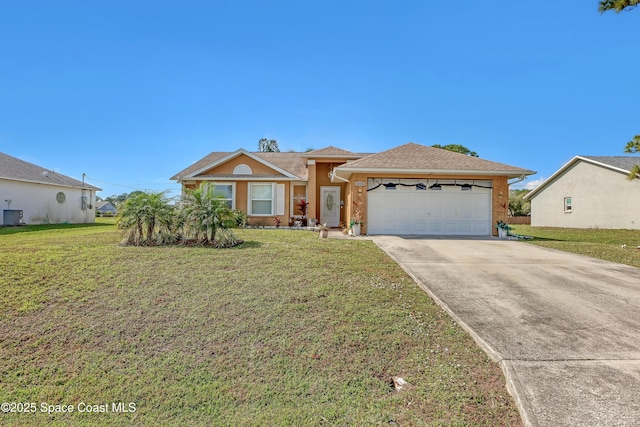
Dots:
(503, 229)
(324, 230)
(277, 221)
(356, 219)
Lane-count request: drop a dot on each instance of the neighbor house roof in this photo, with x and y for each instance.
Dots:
(416, 158)
(14, 169)
(622, 164)
(102, 203)
(290, 164)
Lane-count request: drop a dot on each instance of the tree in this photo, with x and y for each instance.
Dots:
(457, 148)
(268, 145)
(633, 146)
(517, 205)
(206, 217)
(145, 217)
(617, 5)
(118, 200)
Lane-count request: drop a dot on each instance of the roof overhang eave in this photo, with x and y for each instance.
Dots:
(231, 178)
(230, 156)
(55, 184)
(345, 172)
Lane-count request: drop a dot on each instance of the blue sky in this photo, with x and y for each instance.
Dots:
(131, 92)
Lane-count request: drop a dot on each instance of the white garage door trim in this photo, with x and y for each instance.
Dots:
(449, 211)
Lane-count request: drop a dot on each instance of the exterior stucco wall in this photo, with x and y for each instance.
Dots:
(242, 199)
(227, 168)
(601, 198)
(39, 205)
(322, 179)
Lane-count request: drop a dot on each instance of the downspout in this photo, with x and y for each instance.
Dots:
(519, 179)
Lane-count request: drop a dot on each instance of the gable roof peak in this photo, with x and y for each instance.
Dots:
(622, 164)
(331, 151)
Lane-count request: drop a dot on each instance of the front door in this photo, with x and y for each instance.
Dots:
(330, 206)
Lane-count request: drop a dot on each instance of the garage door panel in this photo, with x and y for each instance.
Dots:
(466, 213)
(421, 227)
(435, 228)
(446, 212)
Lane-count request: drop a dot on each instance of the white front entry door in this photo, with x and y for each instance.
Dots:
(330, 206)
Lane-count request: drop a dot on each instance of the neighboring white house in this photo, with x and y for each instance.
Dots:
(589, 192)
(105, 208)
(43, 196)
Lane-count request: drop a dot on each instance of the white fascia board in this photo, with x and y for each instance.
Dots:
(92, 188)
(552, 178)
(247, 178)
(347, 171)
(234, 155)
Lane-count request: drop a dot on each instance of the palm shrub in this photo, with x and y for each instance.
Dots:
(206, 218)
(144, 217)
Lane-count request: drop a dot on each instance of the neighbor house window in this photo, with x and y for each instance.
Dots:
(567, 204)
(261, 199)
(225, 192)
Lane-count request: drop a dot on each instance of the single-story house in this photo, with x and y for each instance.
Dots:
(589, 192)
(409, 189)
(104, 207)
(31, 194)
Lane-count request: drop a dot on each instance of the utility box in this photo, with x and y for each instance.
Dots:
(12, 217)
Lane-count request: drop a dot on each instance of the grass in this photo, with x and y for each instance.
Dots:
(596, 243)
(285, 329)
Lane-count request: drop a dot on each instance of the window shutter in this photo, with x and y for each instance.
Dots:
(280, 200)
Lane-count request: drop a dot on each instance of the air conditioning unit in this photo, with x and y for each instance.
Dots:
(12, 217)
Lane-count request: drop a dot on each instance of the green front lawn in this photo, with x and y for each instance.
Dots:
(285, 329)
(596, 243)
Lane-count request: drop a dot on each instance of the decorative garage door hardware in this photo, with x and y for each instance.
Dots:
(422, 186)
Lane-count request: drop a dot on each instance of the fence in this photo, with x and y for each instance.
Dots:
(519, 220)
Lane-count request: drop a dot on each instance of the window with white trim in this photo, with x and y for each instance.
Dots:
(225, 192)
(567, 204)
(261, 199)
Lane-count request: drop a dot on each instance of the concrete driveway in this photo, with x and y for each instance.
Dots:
(565, 328)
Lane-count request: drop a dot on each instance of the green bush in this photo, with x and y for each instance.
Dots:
(239, 218)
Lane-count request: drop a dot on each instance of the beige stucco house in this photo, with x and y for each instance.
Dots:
(589, 192)
(31, 194)
(410, 189)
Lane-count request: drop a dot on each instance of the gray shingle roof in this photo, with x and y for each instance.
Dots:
(290, 162)
(332, 151)
(625, 163)
(416, 156)
(18, 170)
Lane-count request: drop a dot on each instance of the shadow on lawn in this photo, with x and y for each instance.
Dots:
(43, 227)
(248, 245)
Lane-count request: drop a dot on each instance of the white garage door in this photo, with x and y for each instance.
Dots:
(449, 211)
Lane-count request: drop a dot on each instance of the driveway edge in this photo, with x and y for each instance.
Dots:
(512, 382)
(516, 390)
